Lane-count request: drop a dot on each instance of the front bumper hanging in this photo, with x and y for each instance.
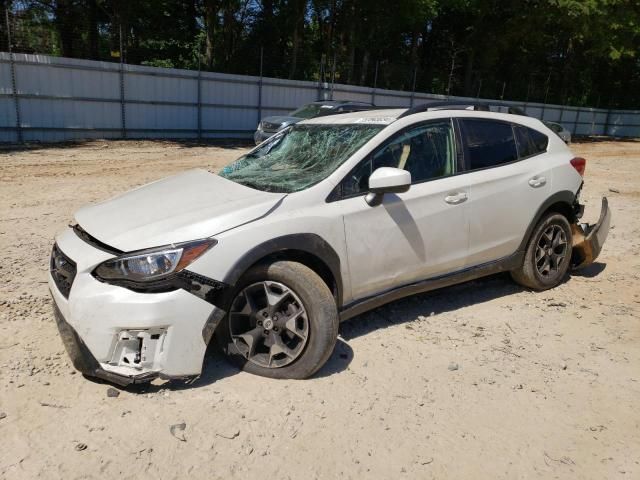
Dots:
(589, 239)
(85, 362)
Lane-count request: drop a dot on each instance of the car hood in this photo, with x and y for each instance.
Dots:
(192, 205)
(278, 121)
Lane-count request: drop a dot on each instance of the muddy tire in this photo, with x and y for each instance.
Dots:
(548, 255)
(282, 322)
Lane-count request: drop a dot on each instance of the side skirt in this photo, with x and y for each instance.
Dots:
(471, 273)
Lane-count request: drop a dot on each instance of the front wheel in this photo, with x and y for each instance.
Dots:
(282, 322)
(548, 255)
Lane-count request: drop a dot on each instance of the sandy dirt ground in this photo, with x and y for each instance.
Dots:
(481, 380)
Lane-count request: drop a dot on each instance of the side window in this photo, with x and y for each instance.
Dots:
(539, 139)
(357, 181)
(488, 143)
(530, 142)
(426, 151)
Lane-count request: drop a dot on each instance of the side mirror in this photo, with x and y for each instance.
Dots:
(387, 180)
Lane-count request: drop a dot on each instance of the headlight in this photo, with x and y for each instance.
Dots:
(151, 265)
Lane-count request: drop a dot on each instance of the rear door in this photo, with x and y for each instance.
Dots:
(509, 179)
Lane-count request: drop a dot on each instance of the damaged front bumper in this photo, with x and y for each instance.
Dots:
(589, 239)
(84, 361)
(120, 335)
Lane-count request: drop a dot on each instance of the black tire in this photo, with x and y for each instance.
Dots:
(531, 273)
(320, 320)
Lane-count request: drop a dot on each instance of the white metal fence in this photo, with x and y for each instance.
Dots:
(45, 98)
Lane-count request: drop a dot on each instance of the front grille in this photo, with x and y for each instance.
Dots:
(63, 270)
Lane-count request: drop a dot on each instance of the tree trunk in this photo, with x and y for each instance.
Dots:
(298, 28)
(211, 10)
(365, 67)
(468, 74)
(92, 20)
(65, 25)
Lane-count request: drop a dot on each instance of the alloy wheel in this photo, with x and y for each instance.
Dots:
(269, 324)
(551, 250)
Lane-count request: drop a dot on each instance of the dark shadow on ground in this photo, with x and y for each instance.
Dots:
(591, 271)
(100, 143)
(447, 299)
(430, 303)
(339, 361)
(216, 367)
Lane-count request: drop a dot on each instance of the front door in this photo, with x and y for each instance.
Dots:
(414, 235)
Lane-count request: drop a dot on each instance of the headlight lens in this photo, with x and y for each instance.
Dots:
(152, 264)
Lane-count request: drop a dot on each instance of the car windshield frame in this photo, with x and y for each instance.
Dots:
(300, 156)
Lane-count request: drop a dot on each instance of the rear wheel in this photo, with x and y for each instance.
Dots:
(282, 322)
(548, 255)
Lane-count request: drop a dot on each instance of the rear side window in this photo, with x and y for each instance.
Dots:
(530, 142)
(487, 143)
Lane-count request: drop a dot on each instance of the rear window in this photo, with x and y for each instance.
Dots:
(530, 142)
(488, 143)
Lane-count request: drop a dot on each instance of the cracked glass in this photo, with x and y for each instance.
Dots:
(299, 157)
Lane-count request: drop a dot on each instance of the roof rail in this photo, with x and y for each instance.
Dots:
(453, 105)
(444, 105)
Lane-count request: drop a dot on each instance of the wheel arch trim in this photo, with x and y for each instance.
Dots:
(306, 243)
(564, 197)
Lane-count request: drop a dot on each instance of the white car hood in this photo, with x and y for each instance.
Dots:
(192, 205)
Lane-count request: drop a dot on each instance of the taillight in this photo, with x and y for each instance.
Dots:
(579, 164)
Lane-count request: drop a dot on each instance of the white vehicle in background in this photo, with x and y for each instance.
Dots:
(559, 130)
(330, 218)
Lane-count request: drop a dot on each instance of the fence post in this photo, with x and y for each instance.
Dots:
(544, 104)
(375, 84)
(199, 92)
(123, 115)
(14, 79)
(606, 123)
(260, 86)
(199, 103)
(575, 122)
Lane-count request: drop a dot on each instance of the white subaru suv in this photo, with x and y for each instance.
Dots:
(327, 219)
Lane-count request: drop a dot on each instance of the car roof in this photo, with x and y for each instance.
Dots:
(380, 117)
(386, 116)
(335, 103)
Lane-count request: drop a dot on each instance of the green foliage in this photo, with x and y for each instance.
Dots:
(581, 52)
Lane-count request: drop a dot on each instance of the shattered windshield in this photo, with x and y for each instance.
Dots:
(299, 157)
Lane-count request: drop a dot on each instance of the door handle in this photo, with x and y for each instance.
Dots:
(536, 182)
(456, 198)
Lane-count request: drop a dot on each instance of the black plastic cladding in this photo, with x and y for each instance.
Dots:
(94, 242)
(198, 285)
(453, 105)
